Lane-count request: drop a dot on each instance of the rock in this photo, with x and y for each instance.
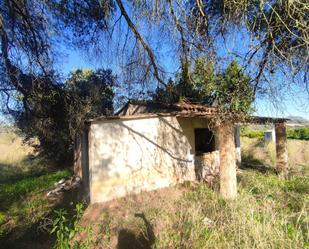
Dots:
(78, 179)
(64, 185)
(61, 181)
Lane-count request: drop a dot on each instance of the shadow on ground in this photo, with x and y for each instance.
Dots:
(30, 166)
(127, 239)
(249, 162)
(32, 238)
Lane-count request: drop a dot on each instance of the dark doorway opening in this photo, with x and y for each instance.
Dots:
(204, 141)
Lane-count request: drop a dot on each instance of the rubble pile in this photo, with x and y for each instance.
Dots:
(64, 185)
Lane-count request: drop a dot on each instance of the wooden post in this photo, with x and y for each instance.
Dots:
(282, 166)
(228, 181)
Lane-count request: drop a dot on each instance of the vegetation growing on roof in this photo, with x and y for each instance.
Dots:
(230, 90)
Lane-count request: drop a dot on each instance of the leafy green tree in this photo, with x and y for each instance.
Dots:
(95, 90)
(233, 91)
(203, 81)
(229, 90)
(166, 95)
(192, 85)
(55, 115)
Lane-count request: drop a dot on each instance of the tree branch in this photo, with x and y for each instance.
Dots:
(12, 71)
(142, 41)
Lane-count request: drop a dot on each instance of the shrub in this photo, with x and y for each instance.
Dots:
(252, 133)
(66, 229)
(298, 133)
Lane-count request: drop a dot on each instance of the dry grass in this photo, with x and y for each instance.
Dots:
(24, 179)
(13, 151)
(15, 156)
(270, 212)
(254, 148)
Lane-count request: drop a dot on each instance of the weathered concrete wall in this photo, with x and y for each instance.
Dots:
(129, 156)
(237, 145)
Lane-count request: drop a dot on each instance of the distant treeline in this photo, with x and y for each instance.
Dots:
(298, 133)
(294, 133)
(252, 133)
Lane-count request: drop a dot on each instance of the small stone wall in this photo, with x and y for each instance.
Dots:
(207, 166)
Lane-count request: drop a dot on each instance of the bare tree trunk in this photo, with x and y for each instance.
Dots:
(281, 149)
(228, 181)
(77, 156)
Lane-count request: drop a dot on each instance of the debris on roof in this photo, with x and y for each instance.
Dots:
(148, 109)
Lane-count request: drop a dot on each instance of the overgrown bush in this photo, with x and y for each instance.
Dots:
(298, 133)
(55, 113)
(252, 133)
(230, 90)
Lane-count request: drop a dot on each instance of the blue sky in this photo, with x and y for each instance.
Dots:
(294, 105)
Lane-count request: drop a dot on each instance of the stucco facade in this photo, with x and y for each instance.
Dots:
(129, 156)
(147, 145)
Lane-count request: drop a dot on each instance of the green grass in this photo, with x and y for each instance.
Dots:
(24, 179)
(269, 213)
(11, 192)
(23, 202)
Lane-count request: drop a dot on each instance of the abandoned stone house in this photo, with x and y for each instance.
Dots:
(146, 146)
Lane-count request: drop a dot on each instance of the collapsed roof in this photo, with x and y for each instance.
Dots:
(149, 109)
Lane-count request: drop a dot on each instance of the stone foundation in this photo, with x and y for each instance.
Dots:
(207, 166)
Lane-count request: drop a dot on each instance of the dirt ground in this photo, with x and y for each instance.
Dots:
(133, 211)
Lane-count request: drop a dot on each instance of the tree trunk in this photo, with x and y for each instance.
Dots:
(228, 181)
(77, 156)
(281, 149)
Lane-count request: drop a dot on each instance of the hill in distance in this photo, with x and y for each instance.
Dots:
(296, 120)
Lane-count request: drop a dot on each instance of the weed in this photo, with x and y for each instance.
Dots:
(67, 228)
